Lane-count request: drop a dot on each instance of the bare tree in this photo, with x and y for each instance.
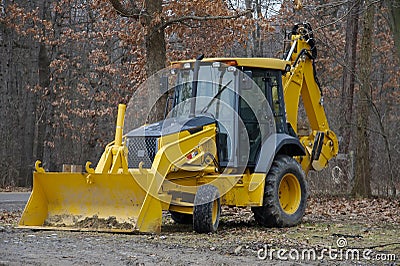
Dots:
(362, 181)
(150, 16)
(349, 73)
(154, 22)
(17, 102)
(394, 7)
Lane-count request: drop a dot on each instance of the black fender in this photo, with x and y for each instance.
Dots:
(278, 143)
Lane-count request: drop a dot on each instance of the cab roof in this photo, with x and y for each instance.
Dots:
(257, 62)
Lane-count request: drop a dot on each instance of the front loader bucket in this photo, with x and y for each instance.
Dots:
(90, 202)
(107, 198)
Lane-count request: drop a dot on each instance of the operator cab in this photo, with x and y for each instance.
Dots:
(245, 101)
(265, 96)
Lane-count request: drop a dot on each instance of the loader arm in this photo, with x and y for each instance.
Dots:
(321, 144)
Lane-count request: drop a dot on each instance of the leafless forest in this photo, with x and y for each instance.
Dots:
(65, 65)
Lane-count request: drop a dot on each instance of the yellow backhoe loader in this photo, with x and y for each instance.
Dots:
(230, 138)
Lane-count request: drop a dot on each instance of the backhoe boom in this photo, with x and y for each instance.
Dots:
(321, 144)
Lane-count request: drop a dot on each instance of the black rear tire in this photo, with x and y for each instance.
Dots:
(285, 194)
(207, 209)
(181, 218)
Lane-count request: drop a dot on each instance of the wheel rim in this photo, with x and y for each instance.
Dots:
(289, 193)
(214, 214)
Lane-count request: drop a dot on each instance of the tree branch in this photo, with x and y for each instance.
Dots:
(200, 18)
(132, 12)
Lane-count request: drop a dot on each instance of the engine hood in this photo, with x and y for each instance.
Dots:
(170, 126)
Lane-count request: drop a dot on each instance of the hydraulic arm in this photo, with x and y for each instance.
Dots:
(321, 143)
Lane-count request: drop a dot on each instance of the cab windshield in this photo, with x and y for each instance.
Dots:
(215, 90)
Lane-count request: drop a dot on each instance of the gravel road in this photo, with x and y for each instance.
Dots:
(13, 201)
(371, 224)
(74, 248)
(28, 247)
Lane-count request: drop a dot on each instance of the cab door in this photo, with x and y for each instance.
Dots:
(261, 108)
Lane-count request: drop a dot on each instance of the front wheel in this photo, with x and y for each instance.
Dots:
(206, 210)
(285, 194)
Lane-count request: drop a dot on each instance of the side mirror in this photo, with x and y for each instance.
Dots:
(246, 80)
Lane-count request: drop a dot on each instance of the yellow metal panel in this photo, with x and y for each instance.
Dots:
(36, 210)
(248, 192)
(67, 199)
(169, 160)
(256, 180)
(176, 147)
(311, 96)
(182, 209)
(171, 138)
(291, 91)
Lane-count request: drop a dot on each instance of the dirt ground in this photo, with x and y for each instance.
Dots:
(369, 228)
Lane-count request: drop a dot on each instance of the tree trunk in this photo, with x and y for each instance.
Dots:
(257, 34)
(5, 51)
(394, 14)
(40, 119)
(155, 40)
(362, 181)
(17, 104)
(250, 40)
(155, 57)
(349, 70)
